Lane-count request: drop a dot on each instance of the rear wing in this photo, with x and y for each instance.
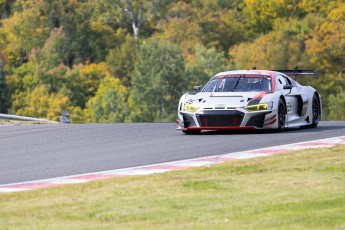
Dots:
(296, 72)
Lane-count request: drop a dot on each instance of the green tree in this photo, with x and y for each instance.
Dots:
(109, 103)
(227, 30)
(77, 115)
(157, 83)
(20, 83)
(210, 23)
(39, 103)
(261, 14)
(321, 7)
(204, 64)
(137, 16)
(5, 7)
(122, 59)
(336, 106)
(85, 36)
(22, 32)
(66, 49)
(84, 81)
(180, 27)
(3, 87)
(267, 52)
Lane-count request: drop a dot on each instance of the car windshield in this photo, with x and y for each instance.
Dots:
(239, 83)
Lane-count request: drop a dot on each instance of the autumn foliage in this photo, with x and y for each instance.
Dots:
(131, 60)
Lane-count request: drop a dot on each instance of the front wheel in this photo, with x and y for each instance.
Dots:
(316, 111)
(281, 116)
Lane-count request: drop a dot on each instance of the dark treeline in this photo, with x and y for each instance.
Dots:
(131, 60)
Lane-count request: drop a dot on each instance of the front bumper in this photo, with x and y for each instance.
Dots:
(226, 120)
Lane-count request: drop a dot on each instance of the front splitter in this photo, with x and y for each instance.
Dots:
(221, 128)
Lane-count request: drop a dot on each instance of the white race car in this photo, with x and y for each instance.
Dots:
(250, 99)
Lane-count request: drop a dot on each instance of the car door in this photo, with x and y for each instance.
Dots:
(291, 97)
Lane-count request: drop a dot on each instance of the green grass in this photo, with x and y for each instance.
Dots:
(304, 189)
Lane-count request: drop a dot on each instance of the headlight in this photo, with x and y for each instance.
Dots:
(190, 108)
(263, 106)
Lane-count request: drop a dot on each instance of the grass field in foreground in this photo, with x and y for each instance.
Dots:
(304, 189)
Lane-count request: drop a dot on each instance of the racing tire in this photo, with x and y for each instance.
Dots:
(191, 132)
(316, 112)
(281, 116)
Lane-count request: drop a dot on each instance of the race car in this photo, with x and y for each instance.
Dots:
(250, 99)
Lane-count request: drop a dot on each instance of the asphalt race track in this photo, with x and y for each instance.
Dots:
(33, 152)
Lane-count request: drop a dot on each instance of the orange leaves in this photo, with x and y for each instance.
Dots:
(61, 52)
(326, 46)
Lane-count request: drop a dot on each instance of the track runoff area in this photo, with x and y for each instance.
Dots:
(170, 166)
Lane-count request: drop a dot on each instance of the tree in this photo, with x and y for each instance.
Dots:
(267, 52)
(122, 59)
(210, 23)
(84, 36)
(261, 14)
(226, 31)
(109, 103)
(336, 106)
(157, 50)
(138, 12)
(204, 64)
(325, 49)
(320, 7)
(181, 32)
(180, 27)
(39, 103)
(157, 82)
(20, 84)
(51, 54)
(22, 32)
(5, 7)
(84, 81)
(3, 87)
(134, 13)
(326, 45)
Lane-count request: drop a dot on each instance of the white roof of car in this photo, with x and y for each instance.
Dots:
(259, 72)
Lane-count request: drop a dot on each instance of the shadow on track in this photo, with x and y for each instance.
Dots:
(318, 129)
(238, 132)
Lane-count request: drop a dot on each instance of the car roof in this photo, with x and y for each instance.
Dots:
(258, 72)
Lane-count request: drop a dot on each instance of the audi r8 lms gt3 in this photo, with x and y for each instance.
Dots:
(250, 99)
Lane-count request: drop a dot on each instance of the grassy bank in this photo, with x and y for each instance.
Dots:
(304, 189)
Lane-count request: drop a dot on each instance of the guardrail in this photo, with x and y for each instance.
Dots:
(23, 118)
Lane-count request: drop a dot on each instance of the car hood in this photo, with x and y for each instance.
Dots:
(224, 100)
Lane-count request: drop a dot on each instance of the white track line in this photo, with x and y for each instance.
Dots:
(169, 166)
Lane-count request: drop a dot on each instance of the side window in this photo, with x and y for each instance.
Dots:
(280, 82)
(288, 81)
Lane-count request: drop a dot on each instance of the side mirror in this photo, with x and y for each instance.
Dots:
(287, 87)
(197, 88)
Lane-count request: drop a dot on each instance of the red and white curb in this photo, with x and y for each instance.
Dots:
(170, 166)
